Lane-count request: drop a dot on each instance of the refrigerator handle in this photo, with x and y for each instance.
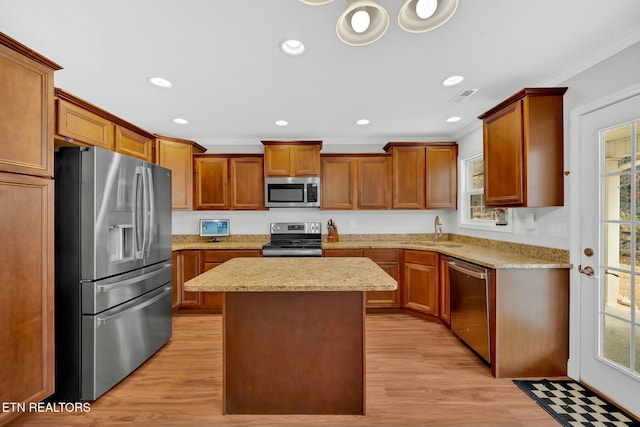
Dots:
(138, 213)
(151, 218)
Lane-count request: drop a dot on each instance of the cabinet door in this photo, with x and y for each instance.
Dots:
(179, 158)
(277, 160)
(211, 183)
(445, 294)
(337, 183)
(421, 290)
(441, 172)
(247, 183)
(305, 160)
(388, 260)
(26, 115)
(374, 182)
(503, 157)
(133, 144)
(190, 261)
(75, 124)
(27, 288)
(408, 177)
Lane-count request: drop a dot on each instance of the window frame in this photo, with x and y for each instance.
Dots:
(466, 190)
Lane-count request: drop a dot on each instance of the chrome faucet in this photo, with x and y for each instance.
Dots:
(437, 226)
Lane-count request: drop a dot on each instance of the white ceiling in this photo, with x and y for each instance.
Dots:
(232, 81)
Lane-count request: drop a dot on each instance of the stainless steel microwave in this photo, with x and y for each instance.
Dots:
(294, 192)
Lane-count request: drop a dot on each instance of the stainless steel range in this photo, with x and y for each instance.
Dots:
(294, 239)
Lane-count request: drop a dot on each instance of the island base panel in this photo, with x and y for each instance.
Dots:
(294, 353)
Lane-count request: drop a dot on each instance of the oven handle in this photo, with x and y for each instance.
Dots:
(472, 273)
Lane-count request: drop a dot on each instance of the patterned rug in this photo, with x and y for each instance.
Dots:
(572, 404)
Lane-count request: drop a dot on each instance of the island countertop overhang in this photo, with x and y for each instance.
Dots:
(293, 275)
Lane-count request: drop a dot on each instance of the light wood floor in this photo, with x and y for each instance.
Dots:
(418, 374)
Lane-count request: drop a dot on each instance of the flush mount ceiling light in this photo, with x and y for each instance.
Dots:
(365, 21)
(160, 82)
(292, 47)
(418, 16)
(362, 22)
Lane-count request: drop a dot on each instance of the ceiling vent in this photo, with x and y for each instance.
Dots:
(463, 95)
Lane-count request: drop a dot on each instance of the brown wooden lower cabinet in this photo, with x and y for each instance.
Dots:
(420, 282)
(389, 261)
(187, 264)
(530, 322)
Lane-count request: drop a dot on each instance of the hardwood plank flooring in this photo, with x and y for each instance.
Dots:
(418, 374)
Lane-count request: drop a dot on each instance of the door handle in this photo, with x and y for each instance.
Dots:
(587, 271)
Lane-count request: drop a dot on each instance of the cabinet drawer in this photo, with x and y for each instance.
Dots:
(382, 255)
(420, 257)
(226, 255)
(342, 252)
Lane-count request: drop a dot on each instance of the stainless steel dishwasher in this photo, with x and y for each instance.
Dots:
(470, 305)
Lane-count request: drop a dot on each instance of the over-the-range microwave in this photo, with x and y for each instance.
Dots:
(292, 192)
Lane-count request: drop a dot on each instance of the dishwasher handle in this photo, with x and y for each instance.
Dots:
(473, 273)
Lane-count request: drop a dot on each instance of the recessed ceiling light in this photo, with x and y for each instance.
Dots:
(160, 82)
(360, 21)
(281, 122)
(452, 81)
(363, 122)
(453, 119)
(180, 121)
(292, 47)
(426, 8)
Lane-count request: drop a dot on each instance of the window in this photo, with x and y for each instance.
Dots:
(473, 212)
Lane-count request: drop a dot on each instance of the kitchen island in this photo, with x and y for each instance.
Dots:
(294, 332)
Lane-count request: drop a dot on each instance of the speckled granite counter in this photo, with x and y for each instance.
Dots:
(482, 255)
(489, 253)
(293, 275)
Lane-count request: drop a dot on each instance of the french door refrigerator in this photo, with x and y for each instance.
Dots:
(112, 270)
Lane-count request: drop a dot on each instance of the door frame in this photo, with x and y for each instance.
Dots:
(574, 363)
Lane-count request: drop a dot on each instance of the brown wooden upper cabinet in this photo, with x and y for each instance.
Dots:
(292, 158)
(177, 154)
(356, 181)
(134, 144)
(425, 175)
(26, 110)
(79, 122)
(75, 124)
(228, 182)
(523, 150)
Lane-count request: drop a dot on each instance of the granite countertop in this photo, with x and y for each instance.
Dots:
(486, 256)
(178, 246)
(293, 275)
(488, 253)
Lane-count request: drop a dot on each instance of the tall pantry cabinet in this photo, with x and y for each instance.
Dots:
(26, 225)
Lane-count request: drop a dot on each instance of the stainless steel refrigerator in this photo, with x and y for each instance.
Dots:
(113, 268)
